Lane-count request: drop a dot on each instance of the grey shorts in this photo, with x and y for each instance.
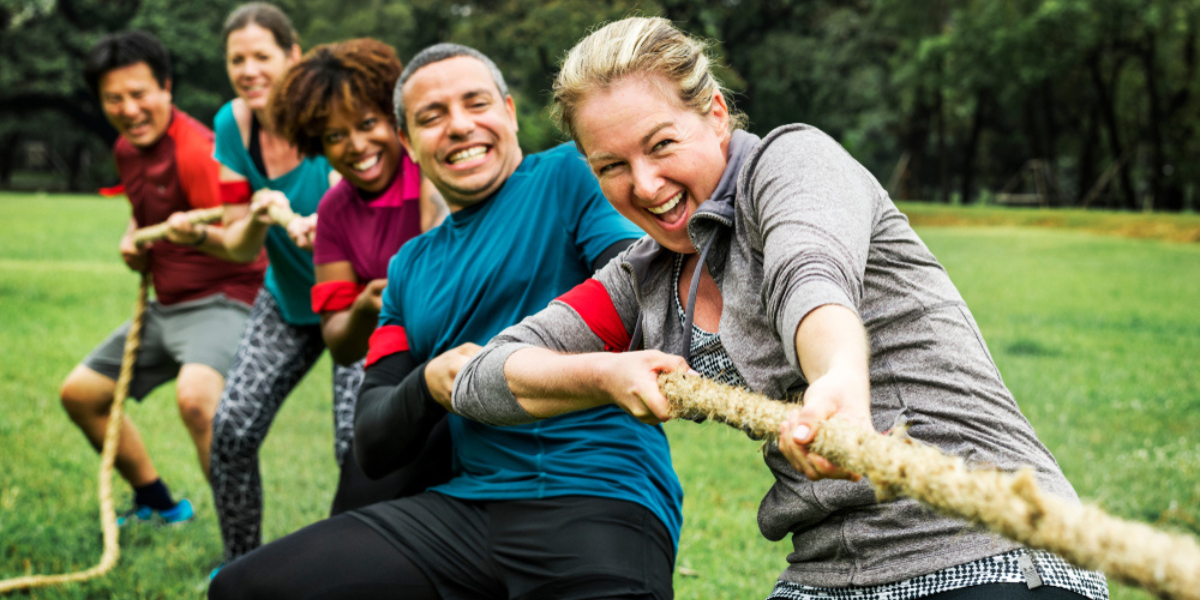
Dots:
(204, 331)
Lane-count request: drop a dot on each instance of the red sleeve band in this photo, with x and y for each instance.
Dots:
(596, 308)
(386, 340)
(334, 296)
(112, 192)
(235, 192)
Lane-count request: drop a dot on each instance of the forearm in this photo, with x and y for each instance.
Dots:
(547, 383)
(831, 338)
(212, 243)
(347, 333)
(556, 363)
(243, 239)
(394, 416)
(832, 348)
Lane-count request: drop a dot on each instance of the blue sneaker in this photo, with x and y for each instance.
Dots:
(182, 512)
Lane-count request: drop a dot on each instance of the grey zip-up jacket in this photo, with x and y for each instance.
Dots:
(801, 224)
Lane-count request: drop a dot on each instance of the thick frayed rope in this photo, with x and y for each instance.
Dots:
(153, 233)
(112, 435)
(1010, 504)
(281, 215)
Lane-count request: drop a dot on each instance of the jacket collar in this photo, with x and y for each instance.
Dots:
(720, 206)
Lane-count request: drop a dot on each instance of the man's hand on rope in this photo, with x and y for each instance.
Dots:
(181, 230)
(631, 380)
(303, 231)
(261, 201)
(441, 371)
(845, 394)
(136, 257)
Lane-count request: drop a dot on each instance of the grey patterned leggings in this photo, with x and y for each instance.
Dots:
(271, 358)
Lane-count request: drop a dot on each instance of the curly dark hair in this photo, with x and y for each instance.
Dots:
(349, 73)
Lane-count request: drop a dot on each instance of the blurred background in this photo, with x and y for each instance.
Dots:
(1008, 108)
(1082, 103)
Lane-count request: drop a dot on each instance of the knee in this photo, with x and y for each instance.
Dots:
(196, 410)
(79, 398)
(231, 583)
(236, 437)
(70, 398)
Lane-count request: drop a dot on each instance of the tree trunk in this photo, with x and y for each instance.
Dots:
(1051, 137)
(1106, 90)
(77, 166)
(913, 140)
(972, 147)
(943, 158)
(8, 156)
(1087, 156)
(1158, 162)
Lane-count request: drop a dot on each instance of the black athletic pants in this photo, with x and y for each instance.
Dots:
(433, 546)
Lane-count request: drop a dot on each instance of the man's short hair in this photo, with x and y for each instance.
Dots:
(438, 53)
(122, 49)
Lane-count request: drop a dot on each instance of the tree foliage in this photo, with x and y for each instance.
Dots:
(942, 99)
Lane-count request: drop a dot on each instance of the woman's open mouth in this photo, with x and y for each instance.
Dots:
(365, 164)
(672, 210)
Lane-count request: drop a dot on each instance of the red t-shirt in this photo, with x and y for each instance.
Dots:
(368, 230)
(179, 173)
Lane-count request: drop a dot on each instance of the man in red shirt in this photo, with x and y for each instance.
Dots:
(191, 329)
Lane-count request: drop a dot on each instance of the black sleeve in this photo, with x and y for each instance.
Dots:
(395, 415)
(610, 253)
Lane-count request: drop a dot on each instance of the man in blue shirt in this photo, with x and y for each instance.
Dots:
(585, 505)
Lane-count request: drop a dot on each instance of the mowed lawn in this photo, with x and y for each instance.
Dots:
(1098, 337)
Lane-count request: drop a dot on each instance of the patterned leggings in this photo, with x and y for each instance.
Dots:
(271, 358)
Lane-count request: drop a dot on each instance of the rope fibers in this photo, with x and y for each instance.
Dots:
(1010, 504)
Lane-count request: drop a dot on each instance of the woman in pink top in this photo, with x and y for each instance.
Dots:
(336, 102)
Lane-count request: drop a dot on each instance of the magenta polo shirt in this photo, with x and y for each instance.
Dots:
(367, 229)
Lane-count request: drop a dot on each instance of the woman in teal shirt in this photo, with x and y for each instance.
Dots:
(282, 339)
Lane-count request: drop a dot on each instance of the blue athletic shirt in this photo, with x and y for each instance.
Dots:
(489, 266)
(290, 276)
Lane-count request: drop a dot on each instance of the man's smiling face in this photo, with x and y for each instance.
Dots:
(461, 131)
(136, 105)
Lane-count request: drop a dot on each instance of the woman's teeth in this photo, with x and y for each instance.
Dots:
(365, 164)
(467, 154)
(662, 210)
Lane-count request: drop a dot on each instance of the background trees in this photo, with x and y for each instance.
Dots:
(1055, 102)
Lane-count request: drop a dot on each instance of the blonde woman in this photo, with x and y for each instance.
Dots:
(778, 264)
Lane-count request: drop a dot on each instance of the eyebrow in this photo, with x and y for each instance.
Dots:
(477, 93)
(466, 96)
(602, 156)
(656, 129)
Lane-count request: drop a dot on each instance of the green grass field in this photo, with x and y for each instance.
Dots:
(1098, 337)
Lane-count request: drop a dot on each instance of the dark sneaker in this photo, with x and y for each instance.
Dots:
(182, 512)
